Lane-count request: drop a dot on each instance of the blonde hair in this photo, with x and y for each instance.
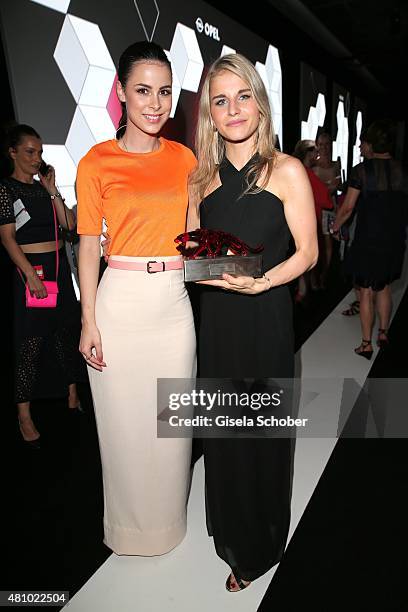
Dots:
(210, 145)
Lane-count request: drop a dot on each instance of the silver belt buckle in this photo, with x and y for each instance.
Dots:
(149, 263)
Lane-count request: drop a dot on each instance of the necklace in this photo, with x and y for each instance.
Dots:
(157, 146)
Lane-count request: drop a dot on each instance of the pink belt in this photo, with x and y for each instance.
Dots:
(148, 266)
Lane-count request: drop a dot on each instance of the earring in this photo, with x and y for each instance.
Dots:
(120, 128)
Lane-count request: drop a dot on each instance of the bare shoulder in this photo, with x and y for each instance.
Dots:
(288, 177)
(287, 166)
(287, 170)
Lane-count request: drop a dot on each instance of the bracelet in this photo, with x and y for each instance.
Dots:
(56, 195)
(268, 279)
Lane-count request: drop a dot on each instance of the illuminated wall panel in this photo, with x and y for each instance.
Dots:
(357, 124)
(81, 73)
(340, 122)
(313, 94)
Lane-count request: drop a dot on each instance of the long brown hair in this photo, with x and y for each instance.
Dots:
(210, 146)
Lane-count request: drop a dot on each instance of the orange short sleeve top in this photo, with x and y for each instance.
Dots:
(142, 196)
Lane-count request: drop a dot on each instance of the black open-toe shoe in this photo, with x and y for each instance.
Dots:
(353, 310)
(241, 584)
(361, 350)
(382, 342)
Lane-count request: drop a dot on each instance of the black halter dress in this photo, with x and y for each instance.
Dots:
(248, 480)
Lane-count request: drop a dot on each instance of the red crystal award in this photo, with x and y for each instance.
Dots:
(211, 258)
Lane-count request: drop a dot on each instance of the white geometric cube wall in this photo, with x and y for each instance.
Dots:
(99, 122)
(321, 109)
(315, 119)
(340, 145)
(261, 69)
(87, 67)
(71, 59)
(357, 158)
(62, 160)
(89, 72)
(84, 61)
(56, 5)
(271, 75)
(175, 88)
(97, 87)
(79, 139)
(226, 50)
(186, 57)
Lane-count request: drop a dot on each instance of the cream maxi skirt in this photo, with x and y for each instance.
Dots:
(147, 332)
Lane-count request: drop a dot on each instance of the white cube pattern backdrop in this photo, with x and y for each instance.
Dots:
(340, 144)
(85, 63)
(315, 119)
(356, 146)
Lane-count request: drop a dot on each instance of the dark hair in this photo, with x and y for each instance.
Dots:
(143, 51)
(324, 132)
(381, 135)
(16, 133)
(12, 135)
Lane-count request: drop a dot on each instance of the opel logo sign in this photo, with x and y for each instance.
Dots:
(207, 28)
(199, 24)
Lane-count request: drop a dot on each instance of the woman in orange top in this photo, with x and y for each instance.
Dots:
(137, 326)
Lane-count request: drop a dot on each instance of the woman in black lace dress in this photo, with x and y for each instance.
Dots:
(376, 255)
(250, 189)
(45, 339)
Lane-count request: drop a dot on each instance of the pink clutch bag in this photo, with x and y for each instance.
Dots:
(48, 302)
(52, 286)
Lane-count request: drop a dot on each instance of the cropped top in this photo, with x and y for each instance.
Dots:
(36, 201)
(143, 197)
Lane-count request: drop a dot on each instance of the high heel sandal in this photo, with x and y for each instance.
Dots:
(241, 584)
(382, 342)
(360, 350)
(353, 310)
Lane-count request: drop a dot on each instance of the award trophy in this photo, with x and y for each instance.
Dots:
(211, 258)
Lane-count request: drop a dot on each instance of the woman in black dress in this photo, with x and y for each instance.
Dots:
(250, 189)
(45, 339)
(376, 255)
